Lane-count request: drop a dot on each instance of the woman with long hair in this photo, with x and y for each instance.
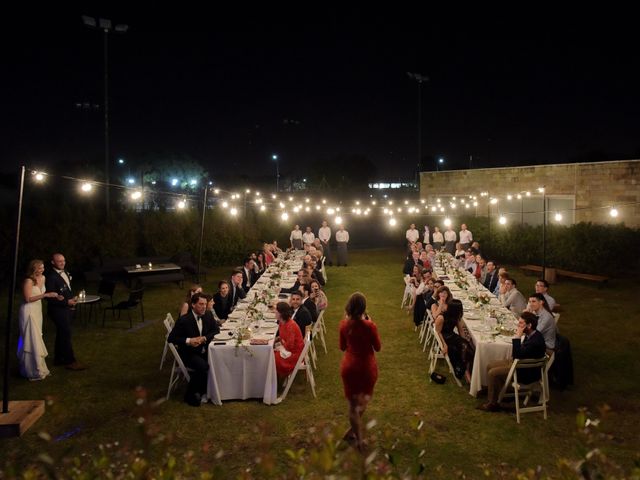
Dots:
(31, 348)
(222, 301)
(186, 305)
(290, 341)
(359, 371)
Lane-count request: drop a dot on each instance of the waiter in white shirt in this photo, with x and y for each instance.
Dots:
(308, 237)
(342, 238)
(466, 237)
(324, 234)
(296, 238)
(412, 235)
(450, 240)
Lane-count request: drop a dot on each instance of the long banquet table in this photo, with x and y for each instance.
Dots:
(480, 321)
(240, 370)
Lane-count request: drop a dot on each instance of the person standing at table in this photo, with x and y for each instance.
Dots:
(438, 239)
(60, 311)
(290, 339)
(31, 348)
(324, 234)
(192, 334)
(412, 235)
(450, 240)
(342, 239)
(466, 237)
(308, 236)
(359, 340)
(296, 238)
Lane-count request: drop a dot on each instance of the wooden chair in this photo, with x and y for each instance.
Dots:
(539, 386)
(303, 363)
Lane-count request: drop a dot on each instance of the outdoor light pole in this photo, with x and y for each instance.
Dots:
(204, 211)
(420, 79)
(105, 25)
(12, 291)
(275, 158)
(544, 232)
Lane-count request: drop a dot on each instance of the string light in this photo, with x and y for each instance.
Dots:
(284, 216)
(86, 187)
(613, 212)
(392, 222)
(233, 211)
(137, 195)
(182, 204)
(39, 176)
(502, 220)
(447, 222)
(262, 208)
(558, 217)
(338, 220)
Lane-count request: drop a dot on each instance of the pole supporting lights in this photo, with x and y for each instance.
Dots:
(106, 26)
(420, 79)
(274, 157)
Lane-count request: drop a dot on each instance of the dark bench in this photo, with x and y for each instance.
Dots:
(177, 277)
(567, 273)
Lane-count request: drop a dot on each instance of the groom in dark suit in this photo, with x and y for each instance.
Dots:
(60, 311)
(192, 334)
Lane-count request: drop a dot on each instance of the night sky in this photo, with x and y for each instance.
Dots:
(231, 88)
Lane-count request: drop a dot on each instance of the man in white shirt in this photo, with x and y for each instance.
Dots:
(512, 298)
(324, 234)
(296, 238)
(308, 237)
(466, 237)
(450, 238)
(412, 234)
(546, 322)
(438, 239)
(542, 286)
(342, 238)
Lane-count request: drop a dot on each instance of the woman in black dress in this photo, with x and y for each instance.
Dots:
(459, 349)
(223, 303)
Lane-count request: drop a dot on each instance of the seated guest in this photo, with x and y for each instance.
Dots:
(512, 298)
(531, 348)
(308, 302)
(481, 268)
(423, 292)
(211, 308)
(235, 286)
(433, 299)
(300, 313)
(443, 299)
(491, 276)
(542, 286)
(269, 257)
(195, 288)
(414, 278)
(424, 258)
(314, 272)
(290, 339)
(318, 244)
(459, 349)
(275, 249)
(502, 277)
(302, 278)
(192, 334)
(260, 264)
(411, 262)
(546, 323)
(459, 253)
(222, 301)
(318, 296)
(470, 264)
(249, 276)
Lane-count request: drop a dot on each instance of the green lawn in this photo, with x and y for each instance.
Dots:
(98, 406)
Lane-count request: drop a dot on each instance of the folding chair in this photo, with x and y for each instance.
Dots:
(323, 269)
(528, 389)
(134, 301)
(407, 298)
(317, 332)
(303, 363)
(168, 324)
(178, 370)
(428, 332)
(556, 317)
(436, 354)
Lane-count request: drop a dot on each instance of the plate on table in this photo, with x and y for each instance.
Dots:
(226, 335)
(472, 316)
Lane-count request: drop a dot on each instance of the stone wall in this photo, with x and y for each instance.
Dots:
(596, 187)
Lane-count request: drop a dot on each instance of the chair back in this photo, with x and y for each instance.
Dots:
(169, 323)
(529, 364)
(135, 297)
(106, 288)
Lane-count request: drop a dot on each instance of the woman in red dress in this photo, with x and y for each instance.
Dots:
(359, 370)
(290, 339)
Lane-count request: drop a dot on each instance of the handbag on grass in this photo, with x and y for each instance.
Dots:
(437, 378)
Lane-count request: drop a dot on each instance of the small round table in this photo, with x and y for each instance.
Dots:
(89, 300)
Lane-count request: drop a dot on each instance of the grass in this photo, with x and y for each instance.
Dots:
(97, 406)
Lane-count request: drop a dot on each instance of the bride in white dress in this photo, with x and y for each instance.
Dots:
(31, 348)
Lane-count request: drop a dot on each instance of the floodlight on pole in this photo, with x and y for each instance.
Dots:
(106, 26)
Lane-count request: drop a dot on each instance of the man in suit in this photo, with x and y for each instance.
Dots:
(300, 313)
(532, 347)
(411, 262)
(249, 276)
(60, 311)
(300, 280)
(308, 302)
(192, 334)
(235, 285)
(491, 277)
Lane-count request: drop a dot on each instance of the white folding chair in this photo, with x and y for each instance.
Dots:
(540, 386)
(556, 317)
(407, 297)
(168, 324)
(177, 370)
(303, 363)
(436, 354)
(323, 269)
